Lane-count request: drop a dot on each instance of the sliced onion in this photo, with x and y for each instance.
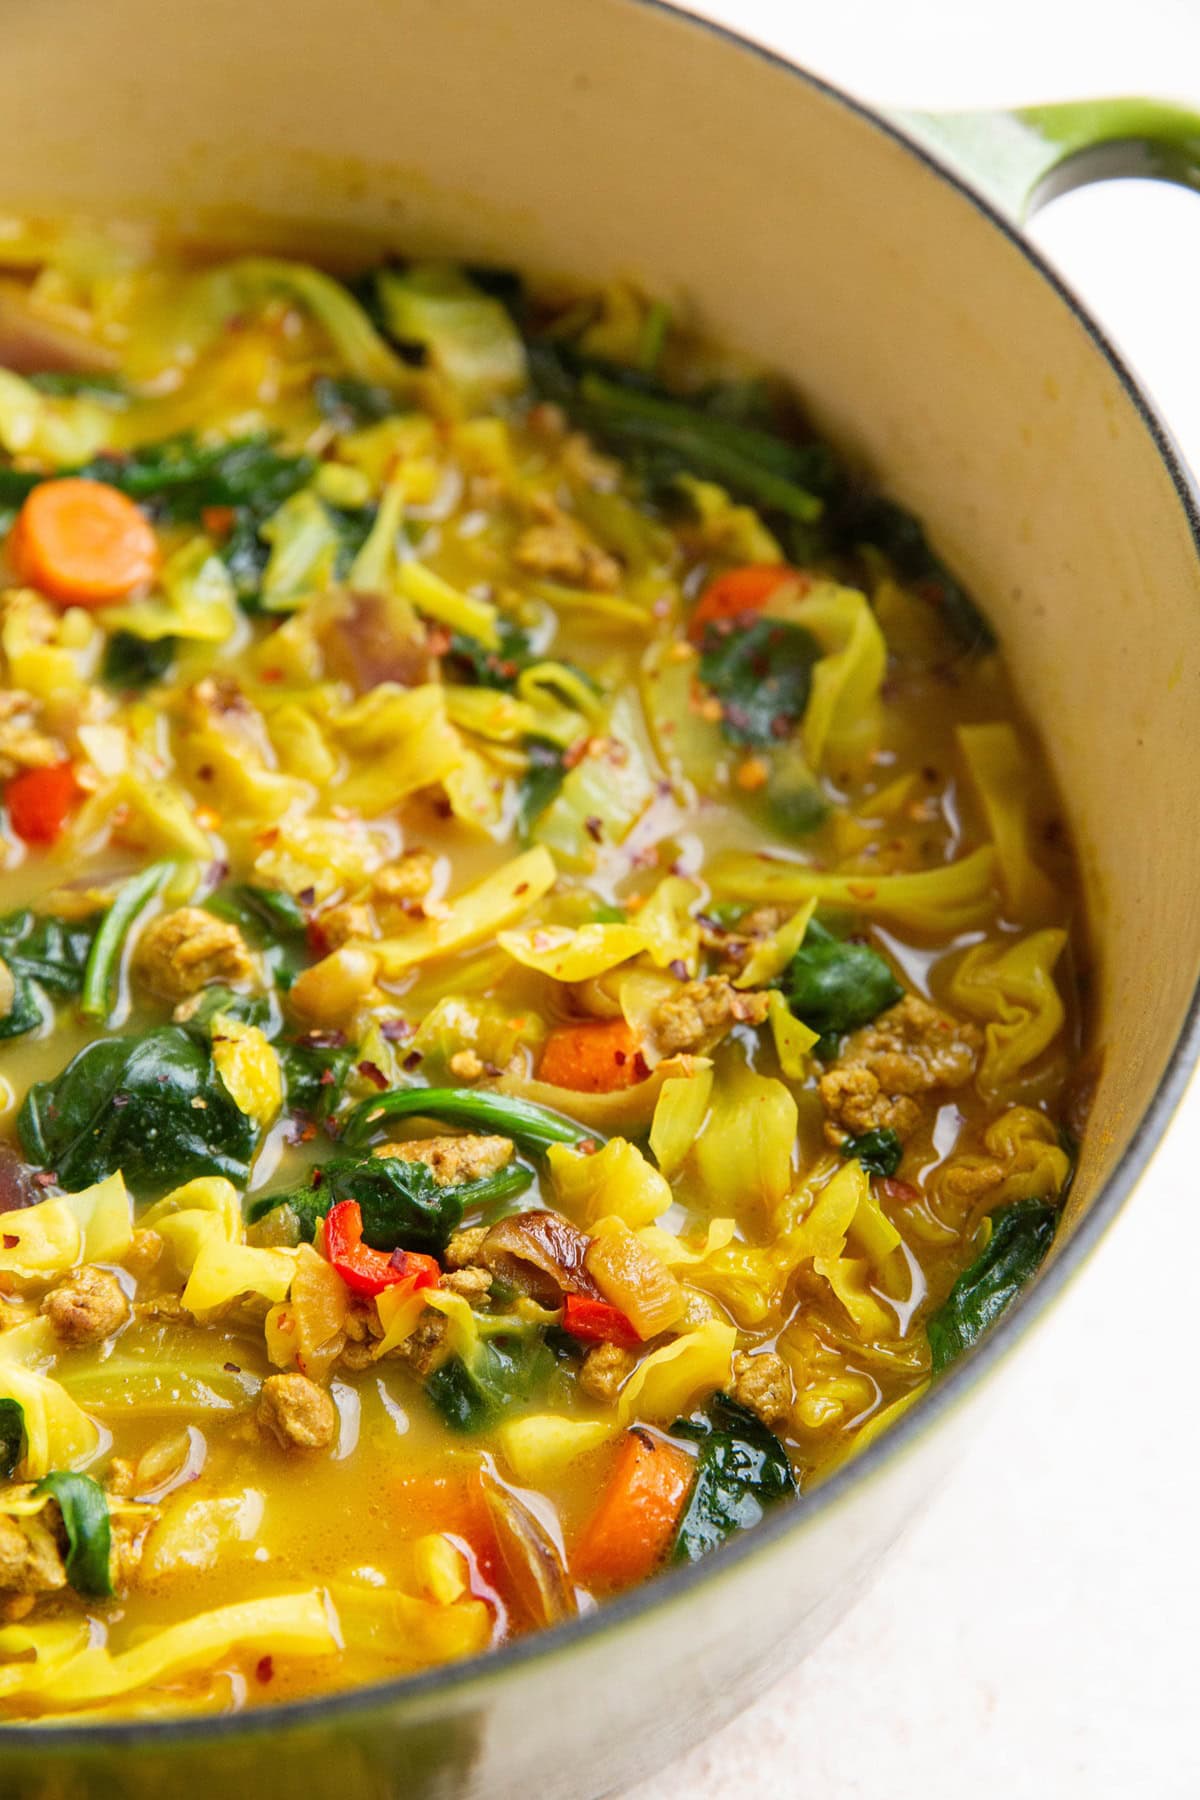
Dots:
(631, 1278)
(531, 1557)
(542, 1253)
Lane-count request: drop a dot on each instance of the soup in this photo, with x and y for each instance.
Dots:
(539, 1002)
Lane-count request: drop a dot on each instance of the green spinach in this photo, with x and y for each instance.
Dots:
(509, 1369)
(1021, 1235)
(133, 663)
(152, 1105)
(528, 1124)
(741, 1469)
(84, 1509)
(403, 1207)
(836, 986)
(879, 1151)
(45, 956)
(315, 1074)
(273, 922)
(544, 774)
(347, 402)
(12, 1437)
(761, 673)
(886, 526)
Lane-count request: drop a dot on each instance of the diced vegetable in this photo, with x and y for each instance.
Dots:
(742, 1469)
(40, 801)
(596, 1322)
(1020, 1236)
(739, 595)
(630, 1533)
(83, 543)
(593, 1058)
(84, 1511)
(367, 1271)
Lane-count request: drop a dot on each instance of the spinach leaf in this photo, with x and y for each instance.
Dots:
(741, 1469)
(879, 1151)
(12, 1437)
(68, 383)
(665, 435)
(403, 1207)
(45, 956)
(761, 673)
(151, 1105)
(315, 1075)
(475, 665)
(246, 555)
(261, 1010)
(353, 525)
(1021, 1236)
(888, 527)
(835, 986)
(508, 1370)
(104, 957)
(348, 402)
(539, 784)
(532, 1126)
(178, 477)
(132, 662)
(84, 1509)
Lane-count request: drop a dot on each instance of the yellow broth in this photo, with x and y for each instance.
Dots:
(476, 582)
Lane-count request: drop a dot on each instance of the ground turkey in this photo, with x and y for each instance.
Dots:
(183, 951)
(86, 1308)
(911, 1049)
(604, 1370)
(562, 550)
(694, 1019)
(451, 1160)
(31, 1563)
(297, 1413)
(762, 1384)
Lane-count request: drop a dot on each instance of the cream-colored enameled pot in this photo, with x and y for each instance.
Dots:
(615, 137)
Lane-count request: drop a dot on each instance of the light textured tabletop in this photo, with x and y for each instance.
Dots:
(1034, 1635)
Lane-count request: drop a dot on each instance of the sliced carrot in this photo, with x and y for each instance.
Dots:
(39, 802)
(741, 592)
(595, 1058)
(630, 1533)
(83, 543)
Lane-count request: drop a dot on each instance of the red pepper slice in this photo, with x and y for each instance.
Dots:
(596, 1322)
(367, 1271)
(39, 802)
(740, 594)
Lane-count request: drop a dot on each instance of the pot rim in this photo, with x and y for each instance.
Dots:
(674, 1586)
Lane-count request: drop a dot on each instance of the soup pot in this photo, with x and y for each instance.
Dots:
(852, 252)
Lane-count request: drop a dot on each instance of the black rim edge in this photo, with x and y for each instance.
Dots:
(676, 1585)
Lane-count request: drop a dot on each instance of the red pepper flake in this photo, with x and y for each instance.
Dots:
(900, 1193)
(264, 1669)
(413, 1060)
(620, 1058)
(306, 896)
(575, 753)
(394, 1031)
(272, 675)
(327, 1078)
(521, 888)
(587, 1146)
(678, 969)
(48, 1177)
(594, 828)
(232, 1368)
(373, 1073)
(10, 1242)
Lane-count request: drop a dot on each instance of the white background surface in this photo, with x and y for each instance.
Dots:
(1035, 1635)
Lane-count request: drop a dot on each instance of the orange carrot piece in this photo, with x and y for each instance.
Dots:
(740, 593)
(594, 1058)
(630, 1533)
(39, 802)
(83, 543)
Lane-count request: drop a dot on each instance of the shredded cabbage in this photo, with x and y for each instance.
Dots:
(1004, 779)
(679, 1116)
(668, 1382)
(615, 1182)
(946, 900)
(476, 915)
(1010, 988)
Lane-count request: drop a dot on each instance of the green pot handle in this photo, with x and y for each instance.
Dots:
(1021, 159)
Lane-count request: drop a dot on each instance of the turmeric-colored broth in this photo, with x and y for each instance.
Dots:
(513, 700)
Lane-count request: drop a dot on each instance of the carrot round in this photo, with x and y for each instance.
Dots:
(739, 593)
(630, 1533)
(82, 542)
(39, 802)
(593, 1058)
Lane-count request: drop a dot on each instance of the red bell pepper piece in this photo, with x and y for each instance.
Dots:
(596, 1322)
(39, 801)
(367, 1271)
(739, 595)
